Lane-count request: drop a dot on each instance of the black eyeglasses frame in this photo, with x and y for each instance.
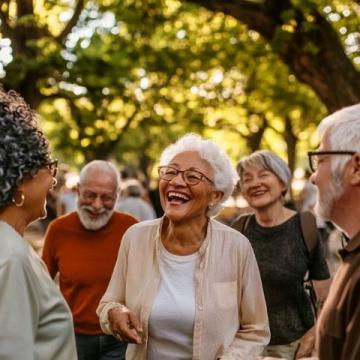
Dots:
(329, 152)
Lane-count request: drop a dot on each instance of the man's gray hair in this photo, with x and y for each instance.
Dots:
(225, 177)
(269, 161)
(104, 166)
(343, 131)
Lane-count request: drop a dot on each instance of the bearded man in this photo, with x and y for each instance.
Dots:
(82, 247)
(336, 167)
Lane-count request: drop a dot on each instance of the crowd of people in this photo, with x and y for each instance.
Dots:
(183, 285)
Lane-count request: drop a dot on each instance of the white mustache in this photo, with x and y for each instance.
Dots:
(92, 209)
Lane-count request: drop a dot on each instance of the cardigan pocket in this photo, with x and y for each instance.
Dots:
(226, 294)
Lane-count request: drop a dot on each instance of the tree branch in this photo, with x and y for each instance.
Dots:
(311, 48)
(72, 22)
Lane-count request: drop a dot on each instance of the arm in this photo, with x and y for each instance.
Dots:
(115, 318)
(307, 341)
(254, 332)
(318, 270)
(18, 311)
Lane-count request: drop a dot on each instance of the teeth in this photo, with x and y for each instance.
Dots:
(178, 195)
(258, 193)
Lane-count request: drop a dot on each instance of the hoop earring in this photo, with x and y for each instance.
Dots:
(54, 183)
(21, 203)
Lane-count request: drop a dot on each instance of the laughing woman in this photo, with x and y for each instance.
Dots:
(186, 286)
(280, 249)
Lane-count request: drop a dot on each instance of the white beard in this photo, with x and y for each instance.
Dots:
(324, 205)
(93, 224)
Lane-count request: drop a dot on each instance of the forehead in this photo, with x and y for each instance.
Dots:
(253, 169)
(99, 181)
(191, 159)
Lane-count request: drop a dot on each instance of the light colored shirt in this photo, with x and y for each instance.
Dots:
(171, 322)
(230, 316)
(36, 323)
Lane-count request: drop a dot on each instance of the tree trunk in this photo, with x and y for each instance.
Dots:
(291, 141)
(311, 48)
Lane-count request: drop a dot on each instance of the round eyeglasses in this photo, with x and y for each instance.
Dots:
(191, 177)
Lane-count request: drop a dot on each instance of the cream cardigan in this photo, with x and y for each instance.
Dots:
(230, 316)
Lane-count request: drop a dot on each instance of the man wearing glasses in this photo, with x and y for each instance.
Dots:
(82, 247)
(336, 168)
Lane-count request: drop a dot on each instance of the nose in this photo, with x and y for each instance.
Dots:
(254, 182)
(97, 203)
(178, 179)
(313, 178)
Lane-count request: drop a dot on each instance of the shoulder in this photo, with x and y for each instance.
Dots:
(64, 220)
(13, 246)
(143, 229)
(229, 236)
(141, 236)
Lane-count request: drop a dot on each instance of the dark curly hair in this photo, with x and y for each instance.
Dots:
(24, 150)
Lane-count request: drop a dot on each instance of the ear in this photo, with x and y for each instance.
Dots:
(78, 189)
(354, 177)
(216, 196)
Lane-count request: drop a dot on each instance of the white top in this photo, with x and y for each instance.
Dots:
(36, 323)
(171, 322)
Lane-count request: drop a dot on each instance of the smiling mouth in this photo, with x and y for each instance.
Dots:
(177, 198)
(258, 193)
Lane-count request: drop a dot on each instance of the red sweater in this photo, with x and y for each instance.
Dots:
(85, 260)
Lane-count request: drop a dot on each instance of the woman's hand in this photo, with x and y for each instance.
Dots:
(125, 326)
(307, 344)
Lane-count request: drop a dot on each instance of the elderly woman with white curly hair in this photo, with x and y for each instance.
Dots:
(186, 286)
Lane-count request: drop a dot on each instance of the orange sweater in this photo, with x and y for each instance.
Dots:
(85, 261)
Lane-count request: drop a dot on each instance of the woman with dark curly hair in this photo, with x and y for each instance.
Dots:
(35, 320)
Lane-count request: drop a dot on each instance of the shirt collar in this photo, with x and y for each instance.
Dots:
(351, 246)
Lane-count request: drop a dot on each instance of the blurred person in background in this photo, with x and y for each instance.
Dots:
(131, 201)
(82, 247)
(336, 167)
(35, 320)
(276, 236)
(186, 286)
(66, 201)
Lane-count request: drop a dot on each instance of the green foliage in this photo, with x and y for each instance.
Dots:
(134, 75)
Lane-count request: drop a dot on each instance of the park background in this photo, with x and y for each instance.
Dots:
(121, 79)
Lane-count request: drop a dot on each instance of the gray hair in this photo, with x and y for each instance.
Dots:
(343, 130)
(24, 150)
(225, 177)
(269, 161)
(101, 165)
